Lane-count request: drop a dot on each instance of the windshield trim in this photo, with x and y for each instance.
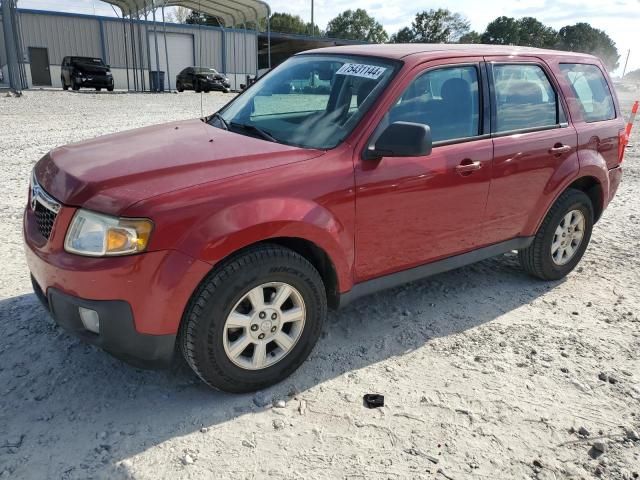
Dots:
(396, 65)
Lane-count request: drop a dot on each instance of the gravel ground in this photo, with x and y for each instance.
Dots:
(486, 373)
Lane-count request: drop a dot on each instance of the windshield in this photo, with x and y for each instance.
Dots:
(87, 60)
(311, 101)
(205, 70)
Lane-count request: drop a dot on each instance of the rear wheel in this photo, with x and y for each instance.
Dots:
(255, 320)
(98, 89)
(562, 239)
(179, 87)
(197, 87)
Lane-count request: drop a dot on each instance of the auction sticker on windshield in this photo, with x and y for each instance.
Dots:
(361, 70)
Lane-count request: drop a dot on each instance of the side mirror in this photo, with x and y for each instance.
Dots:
(402, 139)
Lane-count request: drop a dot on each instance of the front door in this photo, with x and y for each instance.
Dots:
(414, 210)
(40, 74)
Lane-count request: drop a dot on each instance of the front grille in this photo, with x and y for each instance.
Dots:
(45, 219)
(44, 206)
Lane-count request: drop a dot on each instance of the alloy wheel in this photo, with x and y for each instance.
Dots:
(264, 326)
(567, 237)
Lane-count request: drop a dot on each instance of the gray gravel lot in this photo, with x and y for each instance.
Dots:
(487, 373)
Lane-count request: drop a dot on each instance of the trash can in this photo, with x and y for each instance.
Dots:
(157, 81)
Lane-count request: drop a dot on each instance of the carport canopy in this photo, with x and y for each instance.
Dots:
(231, 12)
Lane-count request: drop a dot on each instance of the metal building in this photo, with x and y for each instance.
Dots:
(47, 37)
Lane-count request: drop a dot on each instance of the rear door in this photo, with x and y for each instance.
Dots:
(414, 210)
(534, 145)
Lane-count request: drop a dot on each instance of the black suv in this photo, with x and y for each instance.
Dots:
(85, 72)
(202, 79)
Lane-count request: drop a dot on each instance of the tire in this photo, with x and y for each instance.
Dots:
(203, 337)
(109, 89)
(98, 89)
(226, 90)
(537, 259)
(65, 87)
(197, 87)
(74, 86)
(179, 87)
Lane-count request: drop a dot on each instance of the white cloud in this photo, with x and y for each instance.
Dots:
(619, 18)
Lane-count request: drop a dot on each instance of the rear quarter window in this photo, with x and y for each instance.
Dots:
(591, 89)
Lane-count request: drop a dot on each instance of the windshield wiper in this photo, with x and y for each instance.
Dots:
(218, 117)
(252, 128)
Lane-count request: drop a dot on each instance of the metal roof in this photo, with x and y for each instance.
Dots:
(231, 12)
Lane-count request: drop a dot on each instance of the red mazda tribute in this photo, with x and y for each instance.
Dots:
(343, 171)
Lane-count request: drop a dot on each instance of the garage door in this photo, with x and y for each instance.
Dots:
(180, 49)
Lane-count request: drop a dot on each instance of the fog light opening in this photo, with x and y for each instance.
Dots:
(90, 319)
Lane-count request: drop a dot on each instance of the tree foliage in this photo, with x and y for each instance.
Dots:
(434, 26)
(286, 23)
(526, 31)
(357, 25)
(582, 37)
(471, 37)
(198, 18)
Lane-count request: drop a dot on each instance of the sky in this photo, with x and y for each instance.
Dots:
(619, 18)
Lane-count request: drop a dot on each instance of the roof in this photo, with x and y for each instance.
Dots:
(402, 50)
(231, 12)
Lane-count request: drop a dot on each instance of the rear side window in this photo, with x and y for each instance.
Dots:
(592, 91)
(445, 99)
(524, 98)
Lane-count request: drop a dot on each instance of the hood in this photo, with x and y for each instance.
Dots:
(89, 68)
(216, 76)
(110, 173)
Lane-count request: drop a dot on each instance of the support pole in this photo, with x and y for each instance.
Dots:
(146, 39)
(166, 50)
(624, 70)
(155, 36)
(126, 52)
(134, 59)
(143, 83)
(269, 38)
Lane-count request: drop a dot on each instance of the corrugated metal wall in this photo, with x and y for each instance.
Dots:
(61, 35)
(65, 34)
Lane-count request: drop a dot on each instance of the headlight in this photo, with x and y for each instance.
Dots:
(98, 235)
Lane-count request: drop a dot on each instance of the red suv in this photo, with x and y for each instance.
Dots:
(342, 172)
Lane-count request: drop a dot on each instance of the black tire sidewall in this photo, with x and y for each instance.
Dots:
(575, 201)
(214, 365)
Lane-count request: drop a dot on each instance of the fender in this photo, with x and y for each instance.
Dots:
(240, 225)
(563, 175)
(592, 165)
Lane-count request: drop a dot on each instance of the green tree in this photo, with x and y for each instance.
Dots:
(197, 18)
(434, 26)
(405, 35)
(471, 37)
(533, 33)
(439, 26)
(502, 31)
(582, 37)
(286, 23)
(357, 25)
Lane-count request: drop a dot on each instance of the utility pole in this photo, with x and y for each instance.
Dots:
(624, 70)
(313, 29)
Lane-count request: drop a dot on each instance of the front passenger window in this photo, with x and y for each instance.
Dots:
(446, 99)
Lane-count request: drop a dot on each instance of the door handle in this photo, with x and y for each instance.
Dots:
(467, 167)
(559, 148)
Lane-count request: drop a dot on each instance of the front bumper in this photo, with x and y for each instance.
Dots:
(210, 84)
(140, 298)
(117, 334)
(92, 81)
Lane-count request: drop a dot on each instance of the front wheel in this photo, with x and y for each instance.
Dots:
(197, 87)
(254, 320)
(179, 87)
(64, 84)
(562, 239)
